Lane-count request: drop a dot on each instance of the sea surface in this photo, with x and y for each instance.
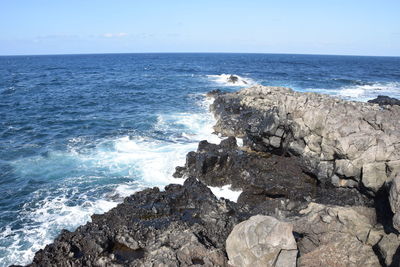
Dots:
(80, 132)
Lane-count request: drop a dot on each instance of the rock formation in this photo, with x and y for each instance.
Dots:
(314, 172)
(347, 144)
(182, 226)
(383, 100)
(272, 184)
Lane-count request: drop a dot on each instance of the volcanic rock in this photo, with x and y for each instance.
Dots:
(344, 143)
(271, 184)
(181, 226)
(382, 100)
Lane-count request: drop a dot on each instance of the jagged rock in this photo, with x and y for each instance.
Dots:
(182, 226)
(347, 144)
(390, 250)
(394, 199)
(271, 184)
(262, 241)
(385, 100)
(233, 79)
(214, 93)
(337, 236)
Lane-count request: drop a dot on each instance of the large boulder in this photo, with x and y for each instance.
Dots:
(344, 143)
(262, 241)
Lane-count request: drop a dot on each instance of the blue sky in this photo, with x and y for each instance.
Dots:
(351, 27)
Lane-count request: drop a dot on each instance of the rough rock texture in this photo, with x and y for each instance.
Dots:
(338, 236)
(385, 100)
(347, 144)
(183, 226)
(271, 184)
(394, 199)
(389, 249)
(297, 146)
(262, 241)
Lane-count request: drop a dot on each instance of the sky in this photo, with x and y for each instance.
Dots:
(341, 27)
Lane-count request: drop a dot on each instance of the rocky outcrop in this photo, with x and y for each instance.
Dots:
(344, 143)
(315, 165)
(271, 184)
(181, 226)
(383, 100)
(262, 241)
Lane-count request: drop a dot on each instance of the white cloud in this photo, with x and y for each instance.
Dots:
(115, 35)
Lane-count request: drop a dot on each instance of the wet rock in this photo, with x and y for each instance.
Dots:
(382, 100)
(262, 241)
(235, 79)
(344, 143)
(182, 226)
(214, 93)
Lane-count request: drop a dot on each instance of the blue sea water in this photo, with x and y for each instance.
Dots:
(80, 132)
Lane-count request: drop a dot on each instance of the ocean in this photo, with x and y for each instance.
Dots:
(78, 133)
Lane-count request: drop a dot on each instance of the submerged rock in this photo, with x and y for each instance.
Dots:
(344, 143)
(262, 241)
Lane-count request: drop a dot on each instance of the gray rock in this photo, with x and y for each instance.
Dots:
(358, 143)
(262, 241)
(394, 199)
(337, 236)
(388, 246)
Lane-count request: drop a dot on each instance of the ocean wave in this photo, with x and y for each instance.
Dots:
(93, 176)
(231, 80)
(363, 92)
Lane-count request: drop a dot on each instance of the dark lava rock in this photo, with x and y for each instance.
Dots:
(234, 79)
(385, 100)
(263, 177)
(181, 226)
(214, 93)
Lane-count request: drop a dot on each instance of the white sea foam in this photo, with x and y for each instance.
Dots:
(44, 220)
(225, 192)
(224, 79)
(93, 179)
(364, 92)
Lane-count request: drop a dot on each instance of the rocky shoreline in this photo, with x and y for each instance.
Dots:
(320, 185)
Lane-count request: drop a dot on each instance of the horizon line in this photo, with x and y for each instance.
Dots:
(126, 53)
